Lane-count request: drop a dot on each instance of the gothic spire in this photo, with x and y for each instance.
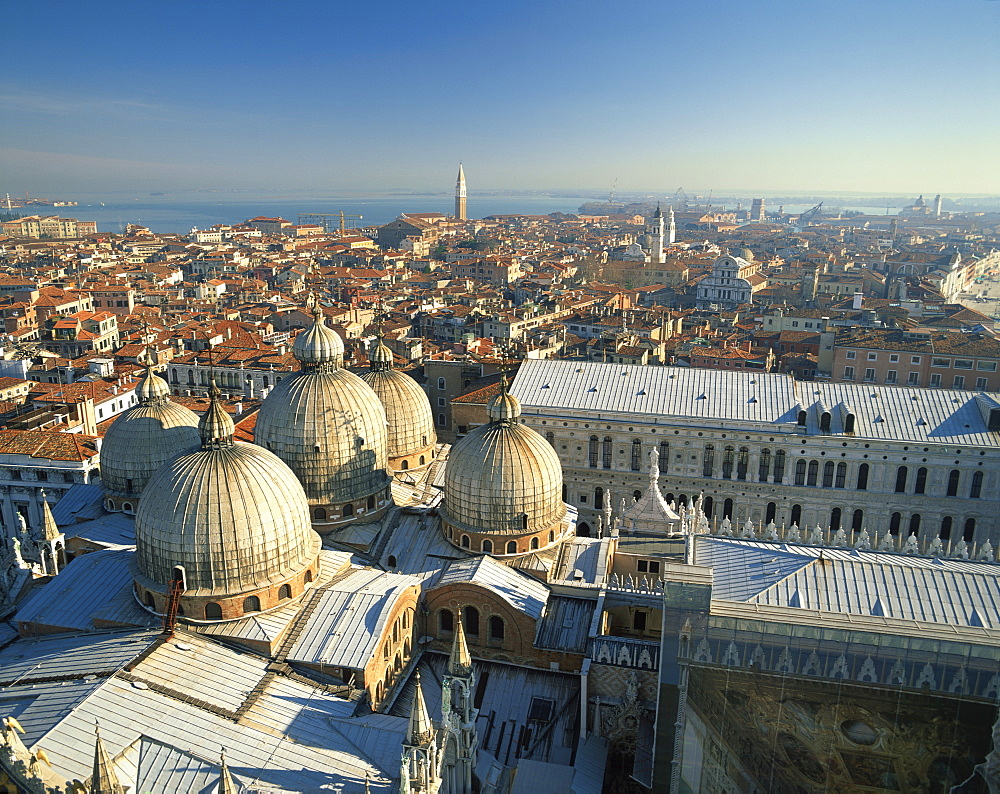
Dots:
(104, 780)
(420, 729)
(459, 662)
(226, 783)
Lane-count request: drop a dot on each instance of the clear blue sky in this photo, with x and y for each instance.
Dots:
(868, 95)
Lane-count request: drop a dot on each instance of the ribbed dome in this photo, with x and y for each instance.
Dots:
(407, 410)
(502, 472)
(318, 344)
(232, 514)
(330, 428)
(145, 437)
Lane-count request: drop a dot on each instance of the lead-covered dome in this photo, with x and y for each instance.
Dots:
(330, 428)
(503, 485)
(411, 436)
(145, 437)
(233, 518)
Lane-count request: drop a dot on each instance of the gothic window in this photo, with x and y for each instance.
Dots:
(828, 468)
(800, 472)
(953, 482)
(728, 458)
(708, 464)
(779, 466)
(813, 474)
(863, 477)
(920, 481)
(742, 463)
(592, 452)
(764, 465)
(901, 479)
(606, 452)
(975, 491)
(636, 455)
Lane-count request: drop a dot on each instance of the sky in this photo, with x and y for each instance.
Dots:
(880, 96)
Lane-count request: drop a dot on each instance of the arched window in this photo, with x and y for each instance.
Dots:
(592, 452)
(446, 620)
(708, 461)
(970, 530)
(496, 628)
(828, 468)
(901, 479)
(813, 474)
(636, 495)
(727, 509)
(707, 506)
(849, 422)
(598, 498)
(769, 514)
(552, 536)
(953, 482)
(835, 515)
(663, 458)
(606, 452)
(534, 543)
(945, 532)
(487, 546)
(796, 514)
(442, 420)
(371, 502)
(127, 507)
(583, 529)
(308, 577)
(551, 438)
(976, 489)
(920, 481)
(465, 541)
(524, 521)
(779, 466)
(841, 475)
(801, 418)
(800, 472)
(764, 465)
(682, 500)
(391, 561)
(251, 604)
(728, 458)
(914, 523)
(319, 514)
(470, 621)
(441, 384)
(213, 611)
(636, 455)
(857, 523)
(512, 547)
(742, 463)
(824, 422)
(863, 477)
(894, 522)
(405, 465)
(423, 460)
(285, 591)
(348, 510)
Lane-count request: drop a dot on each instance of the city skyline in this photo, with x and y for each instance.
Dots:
(552, 96)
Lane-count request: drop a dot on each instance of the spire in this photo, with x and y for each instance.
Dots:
(104, 780)
(460, 195)
(226, 783)
(420, 730)
(380, 357)
(459, 661)
(50, 530)
(216, 426)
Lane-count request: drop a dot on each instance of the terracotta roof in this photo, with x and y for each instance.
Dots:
(46, 444)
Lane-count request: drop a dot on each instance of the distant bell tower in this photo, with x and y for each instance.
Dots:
(671, 228)
(654, 233)
(460, 194)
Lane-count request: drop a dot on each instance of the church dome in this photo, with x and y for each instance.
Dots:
(330, 428)
(319, 343)
(411, 435)
(233, 516)
(145, 437)
(503, 485)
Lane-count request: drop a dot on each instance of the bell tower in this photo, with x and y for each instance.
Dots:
(654, 233)
(460, 195)
(458, 713)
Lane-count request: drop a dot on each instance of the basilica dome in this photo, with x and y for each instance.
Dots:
(503, 486)
(411, 434)
(142, 439)
(330, 428)
(233, 518)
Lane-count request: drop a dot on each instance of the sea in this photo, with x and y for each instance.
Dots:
(183, 211)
